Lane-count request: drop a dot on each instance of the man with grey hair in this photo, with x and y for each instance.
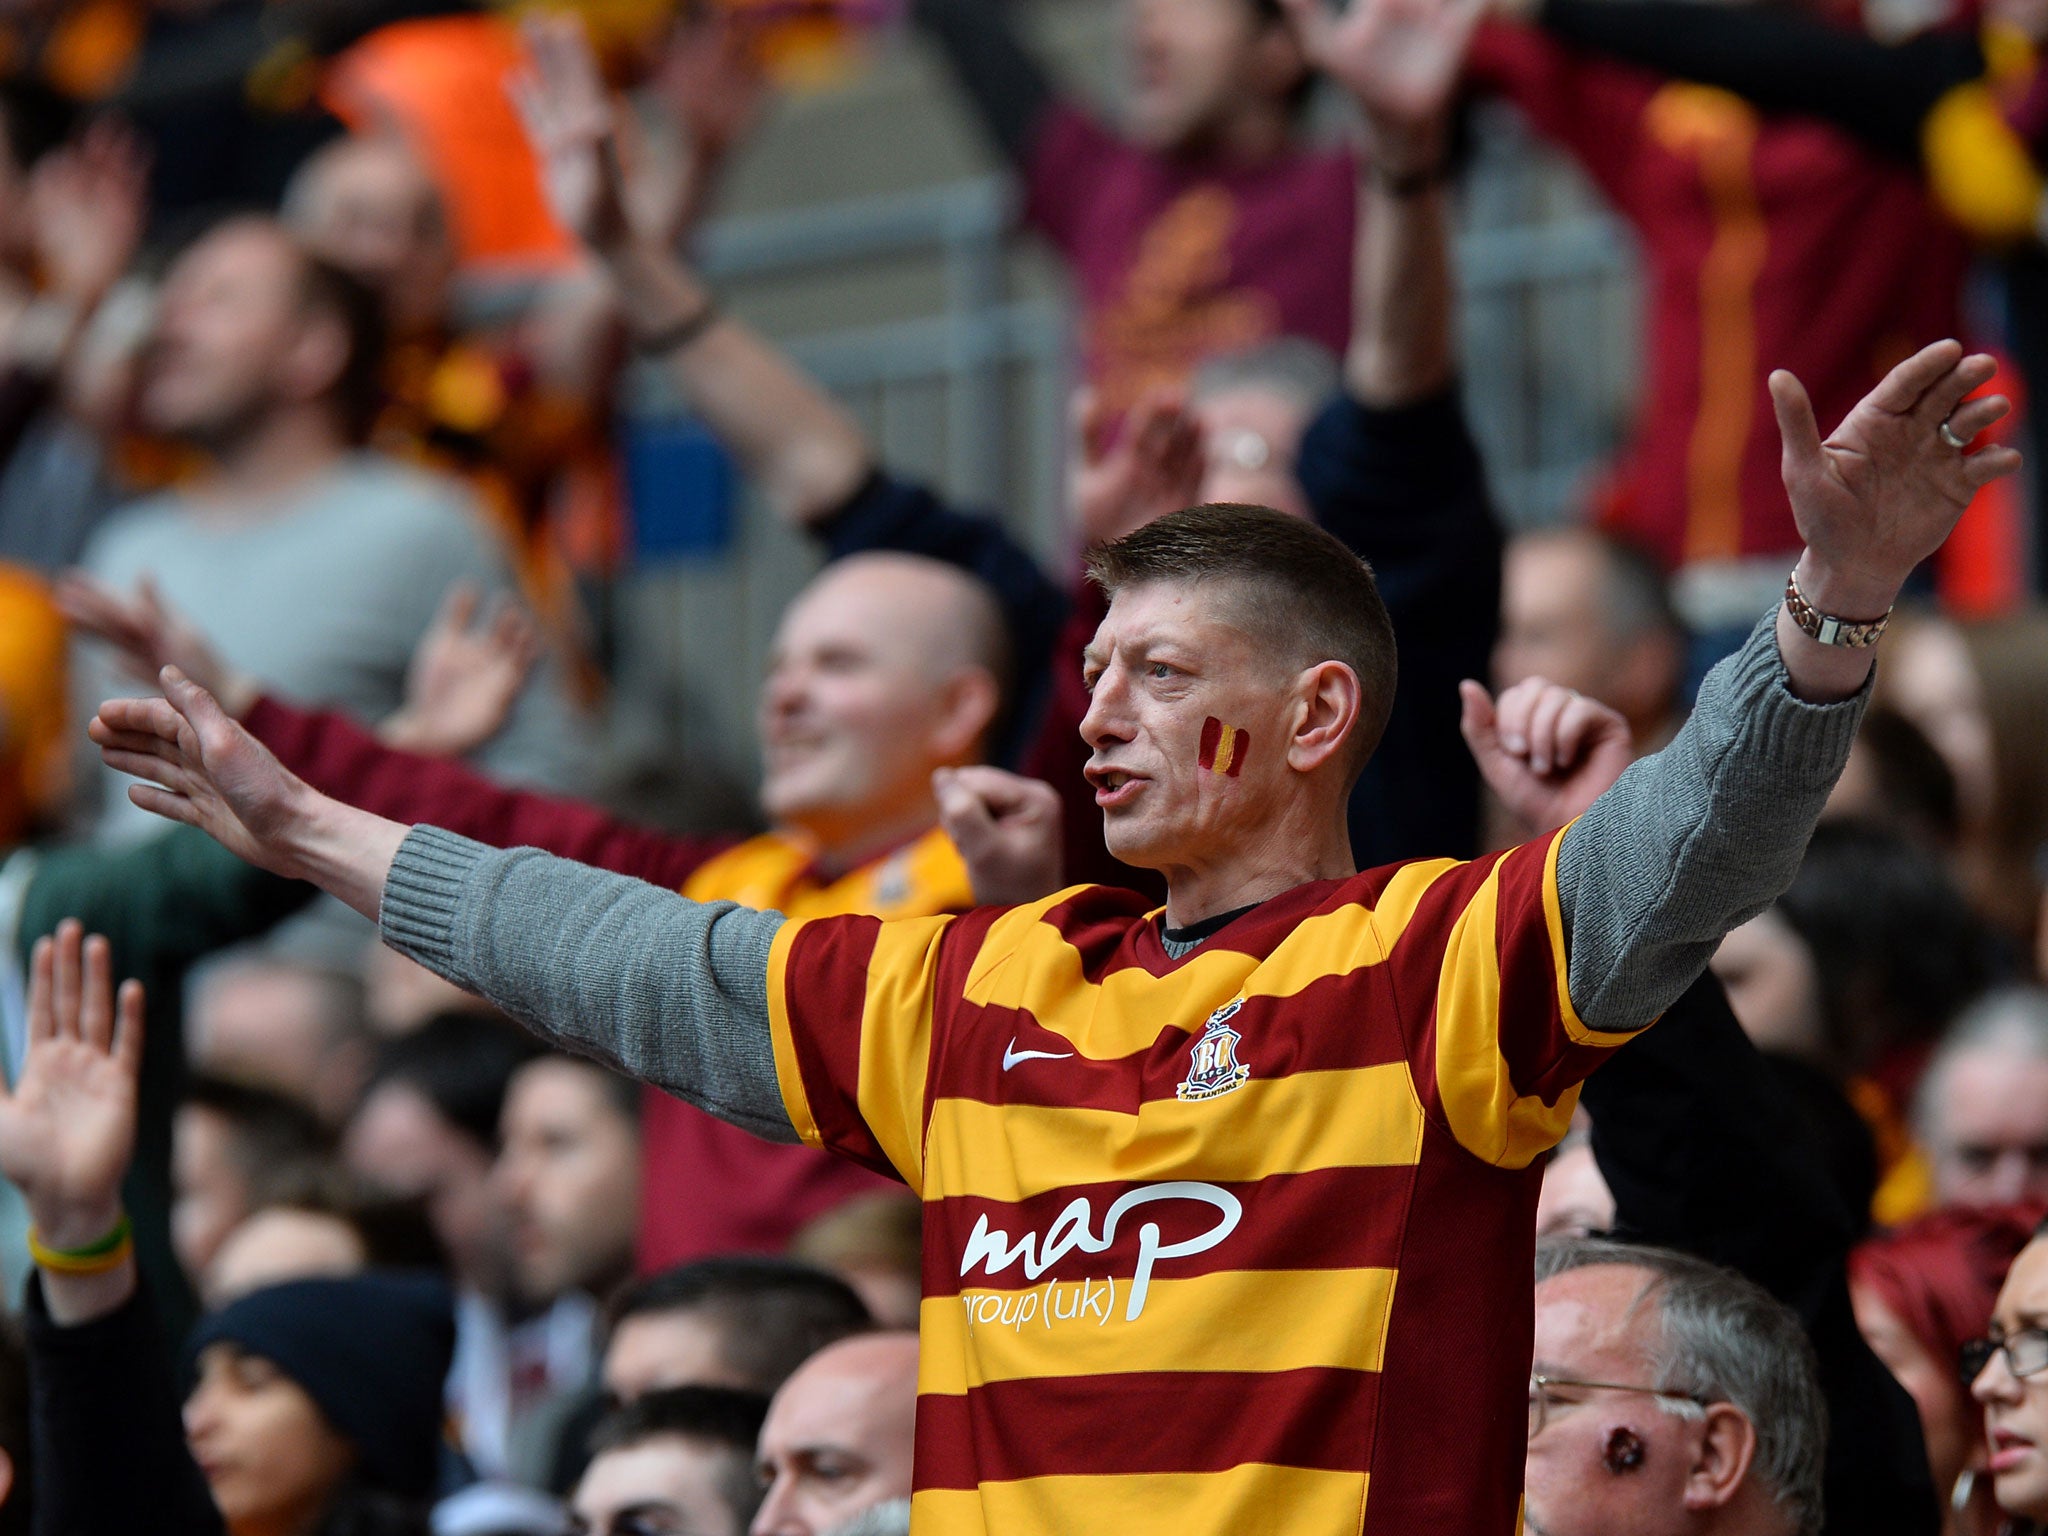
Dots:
(1981, 1113)
(1668, 1397)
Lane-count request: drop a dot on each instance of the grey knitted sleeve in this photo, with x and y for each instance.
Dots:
(670, 991)
(1698, 838)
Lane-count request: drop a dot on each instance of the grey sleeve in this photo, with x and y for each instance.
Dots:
(670, 991)
(1698, 838)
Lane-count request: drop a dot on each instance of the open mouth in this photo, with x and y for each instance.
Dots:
(1113, 786)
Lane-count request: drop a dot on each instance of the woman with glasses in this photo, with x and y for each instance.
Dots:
(2008, 1375)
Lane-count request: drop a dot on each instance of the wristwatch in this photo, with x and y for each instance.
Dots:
(1854, 634)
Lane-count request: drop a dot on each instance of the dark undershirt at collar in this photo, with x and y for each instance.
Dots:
(1179, 940)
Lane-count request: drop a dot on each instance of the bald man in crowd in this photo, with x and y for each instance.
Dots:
(837, 1444)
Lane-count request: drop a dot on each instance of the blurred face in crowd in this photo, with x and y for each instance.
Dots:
(367, 206)
(278, 1244)
(400, 1143)
(569, 1174)
(838, 1436)
(1252, 437)
(667, 1483)
(1773, 987)
(282, 1027)
(1196, 63)
(1575, 1200)
(1931, 680)
(652, 1351)
(2016, 1408)
(235, 339)
(1986, 1128)
(1168, 658)
(873, 682)
(209, 1191)
(1948, 1420)
(269, 1456)
(1610, 1463)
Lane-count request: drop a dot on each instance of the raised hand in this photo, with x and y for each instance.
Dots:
(67, 1128)
(1400, 58)
(1546, 751)
(148, 635)
(87, 203)
(570, 118)
(1131, 472)
(466, 674)
(1007, 829)
(1882, 493)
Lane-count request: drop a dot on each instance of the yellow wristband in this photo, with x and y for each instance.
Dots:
(99, 1258)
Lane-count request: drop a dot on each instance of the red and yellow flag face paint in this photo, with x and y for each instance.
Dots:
(1223, 748)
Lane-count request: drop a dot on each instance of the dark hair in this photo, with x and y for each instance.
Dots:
(1307, 591)
(276, 1143)
(35, 118)
(18, 1512)
(772, 1314)
(461, 1064)
(728, 1419)
(1896, 948)
(1916, 788)
(325, 288)
(395, 1233)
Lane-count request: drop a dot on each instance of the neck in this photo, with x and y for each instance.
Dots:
(844, 843)
(1247, 135)
(288, 446)
(1277, 863)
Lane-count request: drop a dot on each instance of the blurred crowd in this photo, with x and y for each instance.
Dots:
(317, 322)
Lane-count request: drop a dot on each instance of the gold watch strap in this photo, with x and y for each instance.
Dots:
(1854, 634)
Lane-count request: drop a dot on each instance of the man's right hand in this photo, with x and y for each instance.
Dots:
(200, 768)
(570, 119)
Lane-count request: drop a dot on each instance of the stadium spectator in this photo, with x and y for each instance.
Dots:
(314, 562)
(837, 1442)
(1583, 609)
(2003, 1369)
(317, 1404)
(1981, 1114)
(739, 1321)
(568, 1172)
(1668, 1396)
(234, 1150)
(1922, 1292)
(680, 1459)
(875, 1243)
(1769, 241)
(1205, 223)
(292, 1028)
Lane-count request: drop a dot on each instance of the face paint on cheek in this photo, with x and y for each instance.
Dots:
(1224, 748)
(1625, 1452)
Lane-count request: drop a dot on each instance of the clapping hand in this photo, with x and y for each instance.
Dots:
(1546, 751)
(466, 674)
(1128, 473)
(1400, 59)
(67, 1128)
(570, 118)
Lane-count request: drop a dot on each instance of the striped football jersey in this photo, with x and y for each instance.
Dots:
(1235, 1242)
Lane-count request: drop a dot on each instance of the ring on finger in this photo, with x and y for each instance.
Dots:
(1947, 434)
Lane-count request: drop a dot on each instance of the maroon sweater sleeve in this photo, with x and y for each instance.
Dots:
(339, 757)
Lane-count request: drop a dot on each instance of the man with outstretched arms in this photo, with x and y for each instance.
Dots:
(1229, 1205)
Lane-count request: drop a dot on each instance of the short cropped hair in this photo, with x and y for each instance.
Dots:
(772, 1314)
(461, 1064)
(1308, 594)
(1727, 1340)
(722, 1417)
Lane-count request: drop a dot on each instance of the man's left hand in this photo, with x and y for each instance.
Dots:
(1547, 751)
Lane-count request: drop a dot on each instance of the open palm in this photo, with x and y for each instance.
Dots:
(67, 1128)
(1400, 58)
(570, 119)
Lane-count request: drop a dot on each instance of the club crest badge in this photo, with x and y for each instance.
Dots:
(1216, 1069)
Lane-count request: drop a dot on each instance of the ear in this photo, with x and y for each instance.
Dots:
(1723, 1446)
(1328, 703)
(315, 361)
(968, 701)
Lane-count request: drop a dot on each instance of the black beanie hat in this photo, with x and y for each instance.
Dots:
(371, 1350)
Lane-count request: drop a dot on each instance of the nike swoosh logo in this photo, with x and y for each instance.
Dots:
(1012, 1056)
